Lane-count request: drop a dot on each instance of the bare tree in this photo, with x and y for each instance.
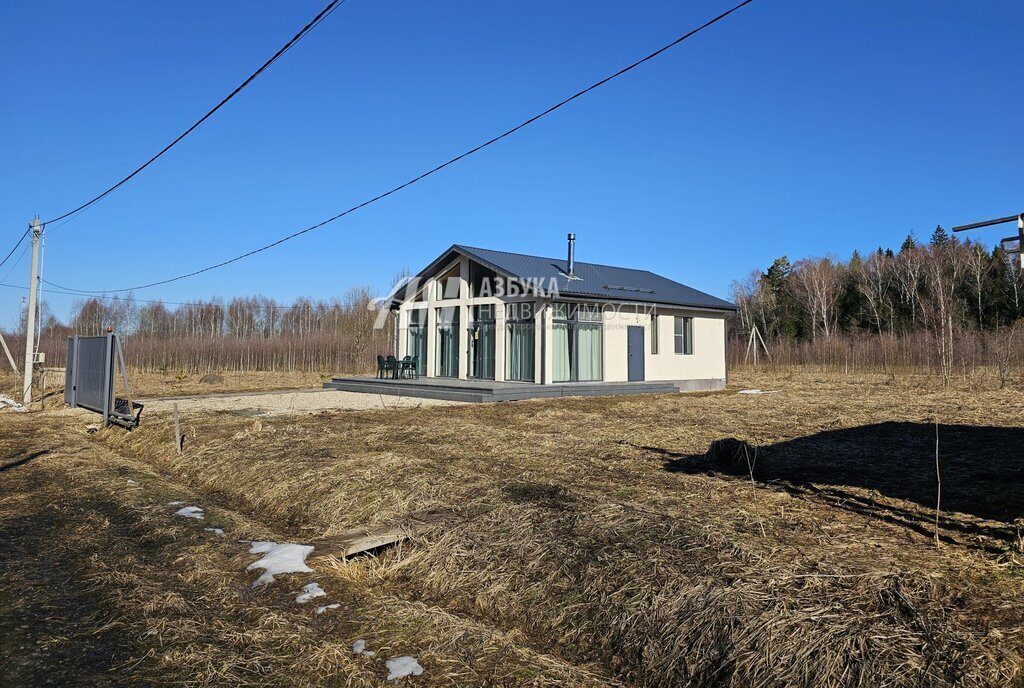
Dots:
(816, 287)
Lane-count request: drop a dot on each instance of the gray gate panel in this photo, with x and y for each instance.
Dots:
(69, 374)
(94, 374)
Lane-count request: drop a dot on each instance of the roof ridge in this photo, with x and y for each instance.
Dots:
(556, 260)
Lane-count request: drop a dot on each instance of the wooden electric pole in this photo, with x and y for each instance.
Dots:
(30, 328)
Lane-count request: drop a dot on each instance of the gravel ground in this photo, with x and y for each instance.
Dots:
(301, 402)
(280, 403)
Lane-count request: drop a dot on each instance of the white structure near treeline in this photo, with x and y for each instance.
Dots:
(480, 314)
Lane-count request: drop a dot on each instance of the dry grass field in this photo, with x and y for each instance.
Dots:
(590, 541)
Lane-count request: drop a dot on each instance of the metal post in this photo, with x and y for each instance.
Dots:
(108, 379)
(30, 328)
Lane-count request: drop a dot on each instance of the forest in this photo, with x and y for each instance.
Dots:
(946, 307)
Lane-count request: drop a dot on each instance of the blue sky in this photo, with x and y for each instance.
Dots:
(793, 127)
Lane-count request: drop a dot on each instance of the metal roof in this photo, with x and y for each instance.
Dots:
(590, 280)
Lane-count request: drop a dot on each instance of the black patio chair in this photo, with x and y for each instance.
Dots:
(386, 365)
(391, 363)
(408, 367)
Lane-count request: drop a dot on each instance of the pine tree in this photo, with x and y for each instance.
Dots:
(940, 237)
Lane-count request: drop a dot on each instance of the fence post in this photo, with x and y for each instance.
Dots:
(177, 431)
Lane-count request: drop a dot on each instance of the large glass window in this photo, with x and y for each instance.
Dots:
(448, 284)
(481, 343)
(446, 347)
(684, 335)
(519, 342)
(417, 342)
(577, 343)
(482, 281)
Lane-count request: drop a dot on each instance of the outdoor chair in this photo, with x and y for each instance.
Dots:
(408, 365)
(386, 365)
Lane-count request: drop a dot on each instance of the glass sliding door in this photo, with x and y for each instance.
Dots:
(588, 348)
(446, 348)
(481, 343)
(416, 346)
(578, 343)
(519, 342)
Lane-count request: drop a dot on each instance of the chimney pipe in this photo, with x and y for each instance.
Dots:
(572, 252)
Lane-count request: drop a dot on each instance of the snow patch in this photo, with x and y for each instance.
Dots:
(321, 610)
(757, 391)
(176, 502)
(283, 558)
(215, 531)
(310, 592)
(131, 482)
(191, 512)
(359, 647)
(403, 666)
(7, 402)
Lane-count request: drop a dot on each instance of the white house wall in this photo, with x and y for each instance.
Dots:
(706, 363)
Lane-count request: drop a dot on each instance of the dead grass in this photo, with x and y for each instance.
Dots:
(101, 585)
(591, 530)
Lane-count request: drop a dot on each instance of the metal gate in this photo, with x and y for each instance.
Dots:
(89, 379)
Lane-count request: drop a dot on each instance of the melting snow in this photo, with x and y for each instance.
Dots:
(175, 503)
(756, 391)
(359, 647)
(190, 512)
(215, 531)
(285, 558)
(321, 610)
(309, 592)
(403, 666)
(130, 481)
(7, 402)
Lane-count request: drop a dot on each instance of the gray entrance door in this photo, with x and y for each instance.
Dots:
(635, 348)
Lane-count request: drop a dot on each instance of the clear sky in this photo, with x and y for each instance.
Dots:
(795, 127)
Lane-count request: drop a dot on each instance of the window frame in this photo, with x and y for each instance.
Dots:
(682, 335)
(655, 347)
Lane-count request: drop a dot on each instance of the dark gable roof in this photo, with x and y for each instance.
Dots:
(597, 281)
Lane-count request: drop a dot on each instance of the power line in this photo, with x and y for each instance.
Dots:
(17, 262)
(81, 294)
(16, 245)
(324, 13)
(440, 167)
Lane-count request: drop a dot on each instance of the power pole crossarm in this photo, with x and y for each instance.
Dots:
(30, 326)
(1007, 243)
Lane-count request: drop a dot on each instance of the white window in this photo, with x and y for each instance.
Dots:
(684, 335)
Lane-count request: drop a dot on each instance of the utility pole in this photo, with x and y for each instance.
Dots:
(1008, 242)
(30, 328)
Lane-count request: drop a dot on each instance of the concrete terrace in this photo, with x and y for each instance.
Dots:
(477, 391)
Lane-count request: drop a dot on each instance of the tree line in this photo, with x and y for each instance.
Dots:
(251, 333)
(944, 305)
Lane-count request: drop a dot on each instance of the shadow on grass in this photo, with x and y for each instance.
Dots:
(982, 470)
(23, 460)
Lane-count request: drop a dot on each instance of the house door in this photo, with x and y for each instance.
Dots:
(635, 351)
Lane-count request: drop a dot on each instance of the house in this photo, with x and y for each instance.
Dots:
(477, 314)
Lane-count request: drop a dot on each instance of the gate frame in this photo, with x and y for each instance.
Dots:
(110, 413)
